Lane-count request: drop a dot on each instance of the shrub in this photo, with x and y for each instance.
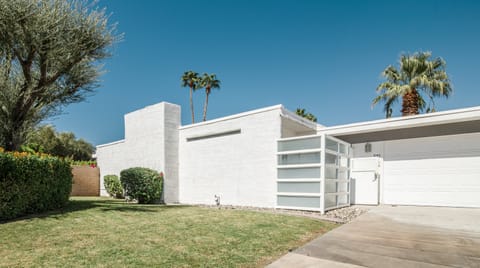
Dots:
(143, 184)
(32, 183)
(113, 186)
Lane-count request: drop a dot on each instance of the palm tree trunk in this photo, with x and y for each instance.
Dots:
(410, 103)
(191, 105)
(205, 107)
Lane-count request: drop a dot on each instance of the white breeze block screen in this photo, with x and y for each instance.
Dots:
(313, 173)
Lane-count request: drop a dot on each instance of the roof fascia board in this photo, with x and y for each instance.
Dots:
(451, 116)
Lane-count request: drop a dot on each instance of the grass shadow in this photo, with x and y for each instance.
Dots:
(75, 204)
(133, 207)
(102, 203)
(129, 208)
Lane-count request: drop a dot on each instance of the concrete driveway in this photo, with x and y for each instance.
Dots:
(402, 236)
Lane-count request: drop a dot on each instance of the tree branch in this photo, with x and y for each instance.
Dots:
(43, 70)
(67, 68)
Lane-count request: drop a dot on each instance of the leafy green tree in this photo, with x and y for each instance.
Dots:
(417, 78)
(46, 139)
(43, 139)
(209, 82)
(49, 53)
(83, 150)
(190, 79)
(304, 114)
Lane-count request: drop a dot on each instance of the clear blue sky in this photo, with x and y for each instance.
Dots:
(325, 56)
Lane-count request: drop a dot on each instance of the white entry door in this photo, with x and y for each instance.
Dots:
(365, 176)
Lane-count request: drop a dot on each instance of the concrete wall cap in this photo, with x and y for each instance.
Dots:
(110, 143)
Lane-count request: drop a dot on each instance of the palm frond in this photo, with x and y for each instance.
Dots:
(387, 108)
(190, 79)
(416, 72)
(209, 81)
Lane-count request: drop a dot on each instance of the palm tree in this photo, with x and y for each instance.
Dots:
(190, 79)
(417, 74)
(209, 82)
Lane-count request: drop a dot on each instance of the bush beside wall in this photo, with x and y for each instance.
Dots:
(113, 186)
(32, 183)
(142, 184)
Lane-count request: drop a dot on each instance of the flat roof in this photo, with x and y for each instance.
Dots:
(458, 121)
(230, 117)
(284, 112)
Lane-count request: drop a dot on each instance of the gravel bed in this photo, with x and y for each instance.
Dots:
(341, 215)
(346, 214)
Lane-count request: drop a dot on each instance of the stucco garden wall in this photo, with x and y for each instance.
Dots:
(86, 181)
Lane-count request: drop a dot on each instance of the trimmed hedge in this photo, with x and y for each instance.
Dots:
(142, 184)
(32, 183)
(113, 186)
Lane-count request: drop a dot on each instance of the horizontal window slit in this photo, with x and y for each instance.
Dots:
(215, 135)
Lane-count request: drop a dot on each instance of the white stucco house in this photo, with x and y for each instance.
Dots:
(271, 157)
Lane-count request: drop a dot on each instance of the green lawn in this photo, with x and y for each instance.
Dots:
(103, 232)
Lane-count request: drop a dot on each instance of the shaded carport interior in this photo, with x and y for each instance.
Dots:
(451, 122)
(441, 129)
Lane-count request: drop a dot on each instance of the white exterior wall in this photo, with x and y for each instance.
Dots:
(144, 131)
(151, 141)
(436, 171)
(171, 153)
(240, 168)
(235, 157)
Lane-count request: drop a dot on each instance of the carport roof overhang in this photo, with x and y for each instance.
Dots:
(450, 122)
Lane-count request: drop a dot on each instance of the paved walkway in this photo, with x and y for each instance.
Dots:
(396, 237)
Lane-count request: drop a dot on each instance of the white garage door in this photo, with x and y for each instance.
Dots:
(436, 171)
